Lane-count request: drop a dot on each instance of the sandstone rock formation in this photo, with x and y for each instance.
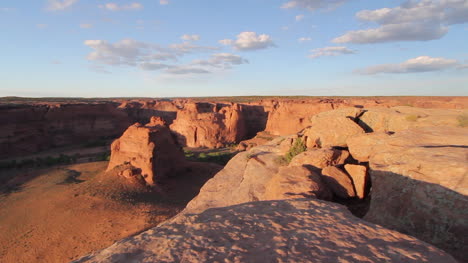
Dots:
(27, 129)
(320, 158)
(358, 174)
(419, 183)
(152, 149)
(338, 181)
(209, 125)
(296, 182)
(404, 117)
(273, 231)
(332, 129)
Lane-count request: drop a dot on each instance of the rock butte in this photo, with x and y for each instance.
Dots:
(152, 149)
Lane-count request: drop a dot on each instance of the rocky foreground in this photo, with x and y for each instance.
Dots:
(273, 231)
(271, 203)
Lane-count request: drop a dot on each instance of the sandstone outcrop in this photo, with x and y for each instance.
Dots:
(332, 129)
(273, 231)
(404, 117)
(419, 183)
(358, 173)
(152, 149)
(209, 125)
(320, 158)
(296, 182)
(338, 181)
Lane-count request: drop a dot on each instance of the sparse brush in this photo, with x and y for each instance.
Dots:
(463, 120)
(297, 148)
(412, 118)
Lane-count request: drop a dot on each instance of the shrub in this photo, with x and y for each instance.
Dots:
(463, 120)
(412, 118)
(297, 148)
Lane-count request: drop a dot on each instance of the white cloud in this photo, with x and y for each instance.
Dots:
(414, 65)
(330, 51)
(304, 39)
(117, 7)
(163, 2)
(299, 17)
(249, 41)
(190, 37)
(86, 26)
(222, 60)
(313, 4)
(412, 21)
(153, 57)
(394, 32)
(184, 70)
(153, 66)
(58, 5)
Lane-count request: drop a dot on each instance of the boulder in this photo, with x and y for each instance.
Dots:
(152, 149)
(320, 158)
(339, 182)
(420, 184)
(331, 129)
(296, 182)
(270, 231)
(358, 174)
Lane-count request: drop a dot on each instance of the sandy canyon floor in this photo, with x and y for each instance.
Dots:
(61, 213)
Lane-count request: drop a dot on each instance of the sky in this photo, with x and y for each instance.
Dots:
(186, 48)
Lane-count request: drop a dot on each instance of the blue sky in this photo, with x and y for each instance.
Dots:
(153, 48)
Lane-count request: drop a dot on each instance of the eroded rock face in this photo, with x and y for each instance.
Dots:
(320, 158)
(333, 128)
(339, 182)
(404, 117)
(209, 125)
(28, 129)
(152, 149)
(296, 182)
(273, 231)
(419, 183)
(358, 174)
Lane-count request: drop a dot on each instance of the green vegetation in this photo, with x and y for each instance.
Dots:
(412, 118)
(221, 158)
(50, 161)
(297, 148)
(463, 120)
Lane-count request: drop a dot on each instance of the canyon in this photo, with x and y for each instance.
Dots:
(372, 179)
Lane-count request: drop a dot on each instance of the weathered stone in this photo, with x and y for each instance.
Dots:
(404, 117)
(296, 182)
(359, 175)
(271, 231)
(420, 184)
(331, 129)
(151, 149)
(338, 181)
(320, 158)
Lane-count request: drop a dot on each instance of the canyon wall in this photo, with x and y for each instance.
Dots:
(34, 127)
(27, 129)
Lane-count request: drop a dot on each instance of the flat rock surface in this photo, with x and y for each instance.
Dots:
(420, 183)
(271, 231)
